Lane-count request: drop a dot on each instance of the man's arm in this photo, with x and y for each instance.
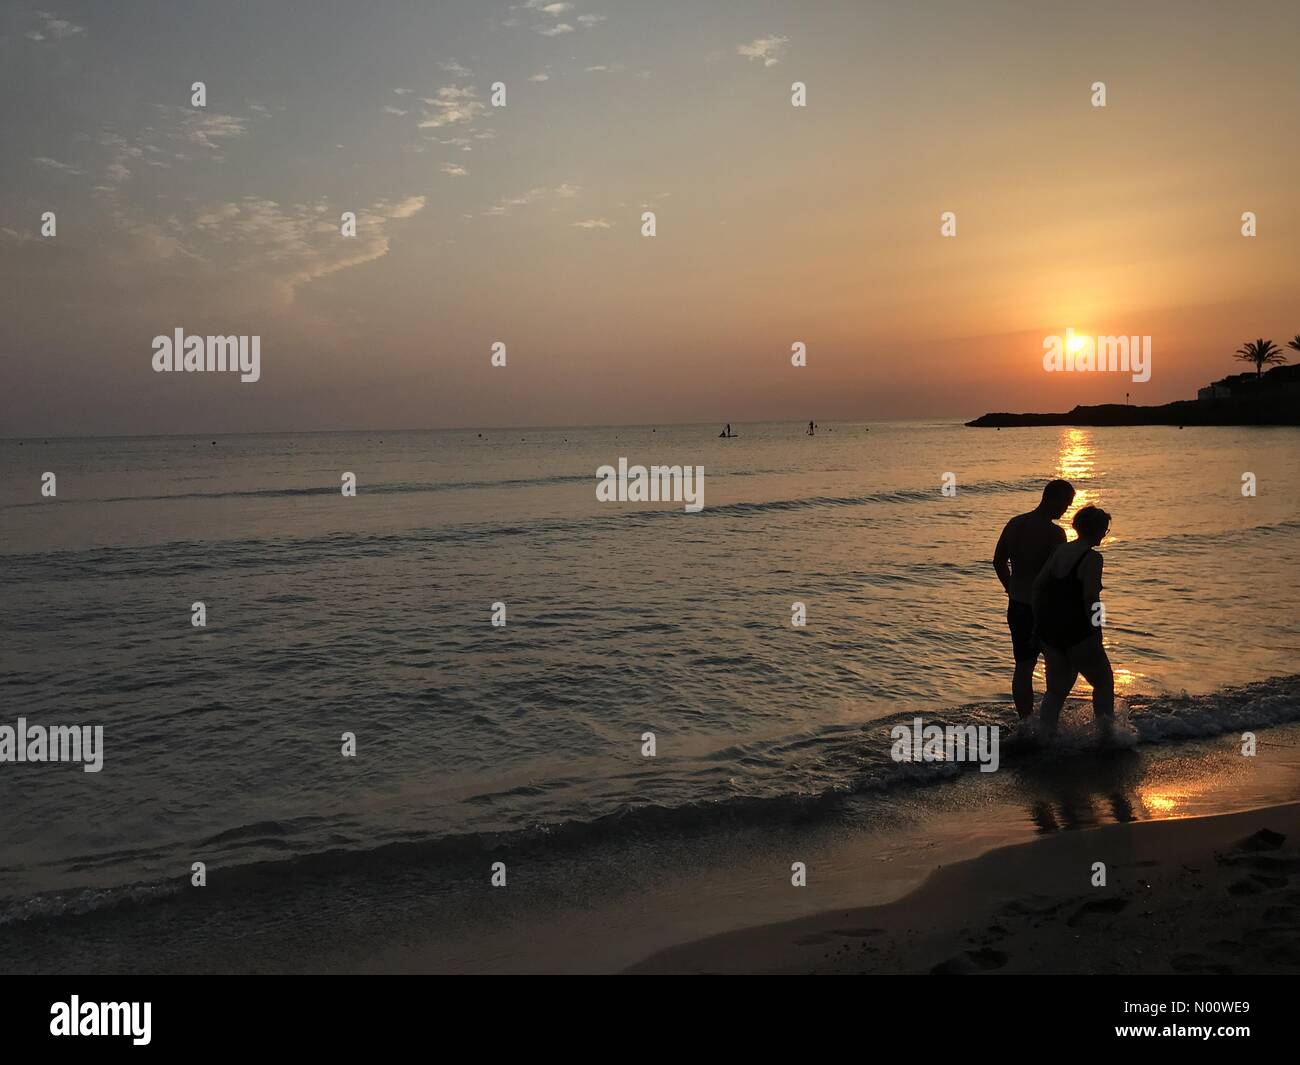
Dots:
(1001, 556)
(1040, 582)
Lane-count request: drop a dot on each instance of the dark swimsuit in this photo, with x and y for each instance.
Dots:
(1063, 617)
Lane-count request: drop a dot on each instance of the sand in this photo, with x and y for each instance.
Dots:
(1214, 894)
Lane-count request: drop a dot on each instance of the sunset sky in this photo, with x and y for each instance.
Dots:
(522, 224)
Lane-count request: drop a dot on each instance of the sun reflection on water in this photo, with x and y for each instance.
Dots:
(1075, 462)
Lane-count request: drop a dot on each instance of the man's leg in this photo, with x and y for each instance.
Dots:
(1024, 646)
(1061, 676)
(1022, 688)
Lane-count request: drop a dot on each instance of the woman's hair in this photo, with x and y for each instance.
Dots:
(1091, 522)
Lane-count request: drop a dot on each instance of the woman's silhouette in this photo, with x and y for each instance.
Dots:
(1067, 613)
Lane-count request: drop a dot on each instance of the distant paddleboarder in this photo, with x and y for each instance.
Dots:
(726, 433)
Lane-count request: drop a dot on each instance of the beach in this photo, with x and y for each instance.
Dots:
(1212, 895)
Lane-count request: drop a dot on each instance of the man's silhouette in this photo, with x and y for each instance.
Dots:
(1021, 552)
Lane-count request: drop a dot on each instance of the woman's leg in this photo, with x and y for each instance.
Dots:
(1061, 676)
(1090, 659)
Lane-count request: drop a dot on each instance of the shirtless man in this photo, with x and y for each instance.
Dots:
(1021, 552)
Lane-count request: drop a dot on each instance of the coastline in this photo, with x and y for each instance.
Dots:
(1215, 894)
(1262, 413)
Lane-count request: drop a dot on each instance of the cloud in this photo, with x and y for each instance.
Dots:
(452, 67)
(54, 164)
(389, 109)
(451, 105)
(54, 27)
(505, 206)
(402, 92)
(454, 169)
(412, 205)
(547, 7)
(590, 20)
(263, 245)
(556, 30)
(593, 223)
(768, 49)
(202, 128)
(540, 77)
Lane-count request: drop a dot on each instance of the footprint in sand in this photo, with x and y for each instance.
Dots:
(1264, 863)
(817, 939)
(1199, 963)
(1097, 907)
(969, 962)
(1286, 954)
(1023, 908)
(1263, 840)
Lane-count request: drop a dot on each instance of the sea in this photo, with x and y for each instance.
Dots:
(670, 709)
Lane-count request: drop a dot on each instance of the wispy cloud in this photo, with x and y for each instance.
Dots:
(768, 49)
(556, 30)
(9, 233)
(510, 203)
(207, 130)
(55, 28)
(54, 164)
(454, 68)
(282, 247)
(452, 104)
(593, 223)
(454, 169)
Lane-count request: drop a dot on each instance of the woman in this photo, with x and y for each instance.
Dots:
(1067, 619)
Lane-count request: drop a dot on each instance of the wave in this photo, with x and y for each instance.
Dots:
(852, 762)
(394, 488)
(180, 557)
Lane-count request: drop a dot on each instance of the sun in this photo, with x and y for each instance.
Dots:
(1075, 343)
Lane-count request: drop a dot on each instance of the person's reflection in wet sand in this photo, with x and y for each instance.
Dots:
(1082, 791)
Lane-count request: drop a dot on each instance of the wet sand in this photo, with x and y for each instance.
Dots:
(1216, 894)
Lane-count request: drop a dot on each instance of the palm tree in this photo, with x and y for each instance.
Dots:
(1294, 342)
(1262, 353)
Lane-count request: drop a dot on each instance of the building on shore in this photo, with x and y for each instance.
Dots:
(1278, 382)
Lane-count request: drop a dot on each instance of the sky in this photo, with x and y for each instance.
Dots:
(522, 224)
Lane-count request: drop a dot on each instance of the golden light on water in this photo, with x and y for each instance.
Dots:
(1160, 804)
(1075, 463)
(1125, 679)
